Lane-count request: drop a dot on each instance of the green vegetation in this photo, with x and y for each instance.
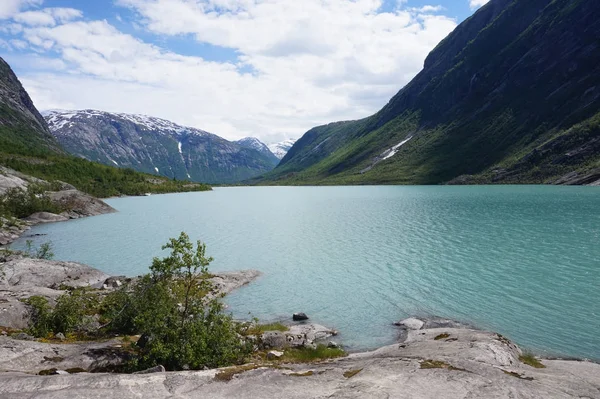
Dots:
(442, 336)
(530, 360)
(181, 323)
(307, 355)
(20, 203)
(93, 178)
(257, 329)
(73, 314)
(44, 251)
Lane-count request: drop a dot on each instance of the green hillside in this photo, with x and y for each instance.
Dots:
(511, 96)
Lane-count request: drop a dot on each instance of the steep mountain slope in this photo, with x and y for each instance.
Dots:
(256, 144)
(27, 146)
(512, 95)
(154, 145)
(22, 128)
(281, 148)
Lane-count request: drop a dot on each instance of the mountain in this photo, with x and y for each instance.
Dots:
(512, 95)
(256, 144)
(154, 145)
(22, 128)
(28, 152)
(281, 148)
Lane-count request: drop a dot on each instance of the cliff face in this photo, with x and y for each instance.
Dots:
(512, 95)
(157, 146)
(22, 128)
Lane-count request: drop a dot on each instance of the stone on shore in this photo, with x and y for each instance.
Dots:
(273, 340)
(274, 355)
(79, 204)
(45, 217)
(411, 323)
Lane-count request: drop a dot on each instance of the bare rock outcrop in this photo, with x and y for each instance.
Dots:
(24, 277)
(466, 364)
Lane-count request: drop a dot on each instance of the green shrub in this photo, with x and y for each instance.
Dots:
(44, 251)
(40, 316)
(21, 203)
(70, 314)
(184, 327)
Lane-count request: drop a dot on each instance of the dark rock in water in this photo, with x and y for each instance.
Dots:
(158, 369)
(299, 316)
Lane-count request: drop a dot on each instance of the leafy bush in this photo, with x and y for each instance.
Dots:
(41, 316)
(70, 314)
(21, 203)
(183, 326)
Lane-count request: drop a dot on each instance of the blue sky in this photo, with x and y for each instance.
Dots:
(265, 68)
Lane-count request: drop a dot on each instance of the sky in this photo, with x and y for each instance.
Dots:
(270, 69)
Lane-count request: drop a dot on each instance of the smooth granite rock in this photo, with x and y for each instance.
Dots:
(470, 364)
(411, 323)
(45, 217)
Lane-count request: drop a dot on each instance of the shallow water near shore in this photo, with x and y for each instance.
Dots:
(520, 260)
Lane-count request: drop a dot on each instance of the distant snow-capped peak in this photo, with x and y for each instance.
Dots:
(282, 148)
(58, 119)
(254, 143)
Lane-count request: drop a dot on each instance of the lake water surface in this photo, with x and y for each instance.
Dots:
(520, 260)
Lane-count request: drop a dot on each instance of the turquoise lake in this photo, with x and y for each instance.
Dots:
(520, 260)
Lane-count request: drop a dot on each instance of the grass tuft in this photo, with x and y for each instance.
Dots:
(227, 374)
(530, 360)
(305, 374)
(307, 355)
(257, 329)
(438, 364)
(352, 373)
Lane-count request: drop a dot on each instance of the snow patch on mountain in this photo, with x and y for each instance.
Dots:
(282, 148)
(392, 151)
(58, 119)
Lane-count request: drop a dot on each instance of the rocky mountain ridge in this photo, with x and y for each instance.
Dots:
(22, 127)
(511, 96)
(154, 145)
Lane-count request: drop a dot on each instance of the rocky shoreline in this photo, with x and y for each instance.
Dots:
(464, 363)
(77, 204)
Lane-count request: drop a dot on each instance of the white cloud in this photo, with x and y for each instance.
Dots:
(299, 63)
(47, 16)
(477, 3)
(8, 8)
